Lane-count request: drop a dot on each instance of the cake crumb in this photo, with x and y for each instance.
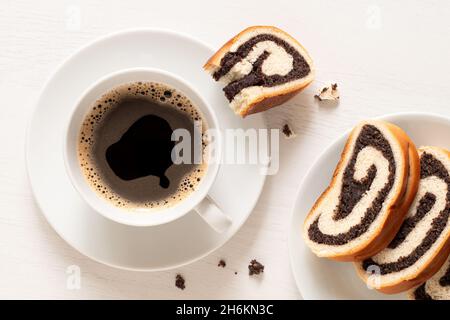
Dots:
(255, 267)
(287, 131)
(330, 93)
(180, 282)
(222, 263)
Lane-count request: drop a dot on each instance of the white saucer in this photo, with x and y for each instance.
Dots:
(183, 241)
(325, 279)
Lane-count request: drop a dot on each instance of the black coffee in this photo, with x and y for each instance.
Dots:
(125, 146)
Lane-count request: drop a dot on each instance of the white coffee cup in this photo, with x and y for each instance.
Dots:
(197, 200)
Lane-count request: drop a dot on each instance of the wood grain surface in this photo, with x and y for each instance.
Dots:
(386, 56)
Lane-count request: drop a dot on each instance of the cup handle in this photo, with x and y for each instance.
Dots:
(213, 216)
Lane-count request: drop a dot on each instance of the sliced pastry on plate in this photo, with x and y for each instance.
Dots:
(436, 288)
(422, 244)
(261, 67)
(369, 195)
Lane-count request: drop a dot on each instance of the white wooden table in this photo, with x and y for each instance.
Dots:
(386, 57)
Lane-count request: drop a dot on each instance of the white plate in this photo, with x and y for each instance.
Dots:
(325, 279)
(136, 248)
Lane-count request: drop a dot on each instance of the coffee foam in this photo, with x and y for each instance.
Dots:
(155, 92)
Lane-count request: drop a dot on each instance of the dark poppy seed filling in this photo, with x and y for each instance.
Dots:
(421, 293)
(445, 280)
(429, 166)
(425, 205)
(256, 77)
(353, 190)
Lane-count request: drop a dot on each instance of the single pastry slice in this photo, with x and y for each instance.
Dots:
(261, 67)
(436, 288)
(372, 188)
(423, 242)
